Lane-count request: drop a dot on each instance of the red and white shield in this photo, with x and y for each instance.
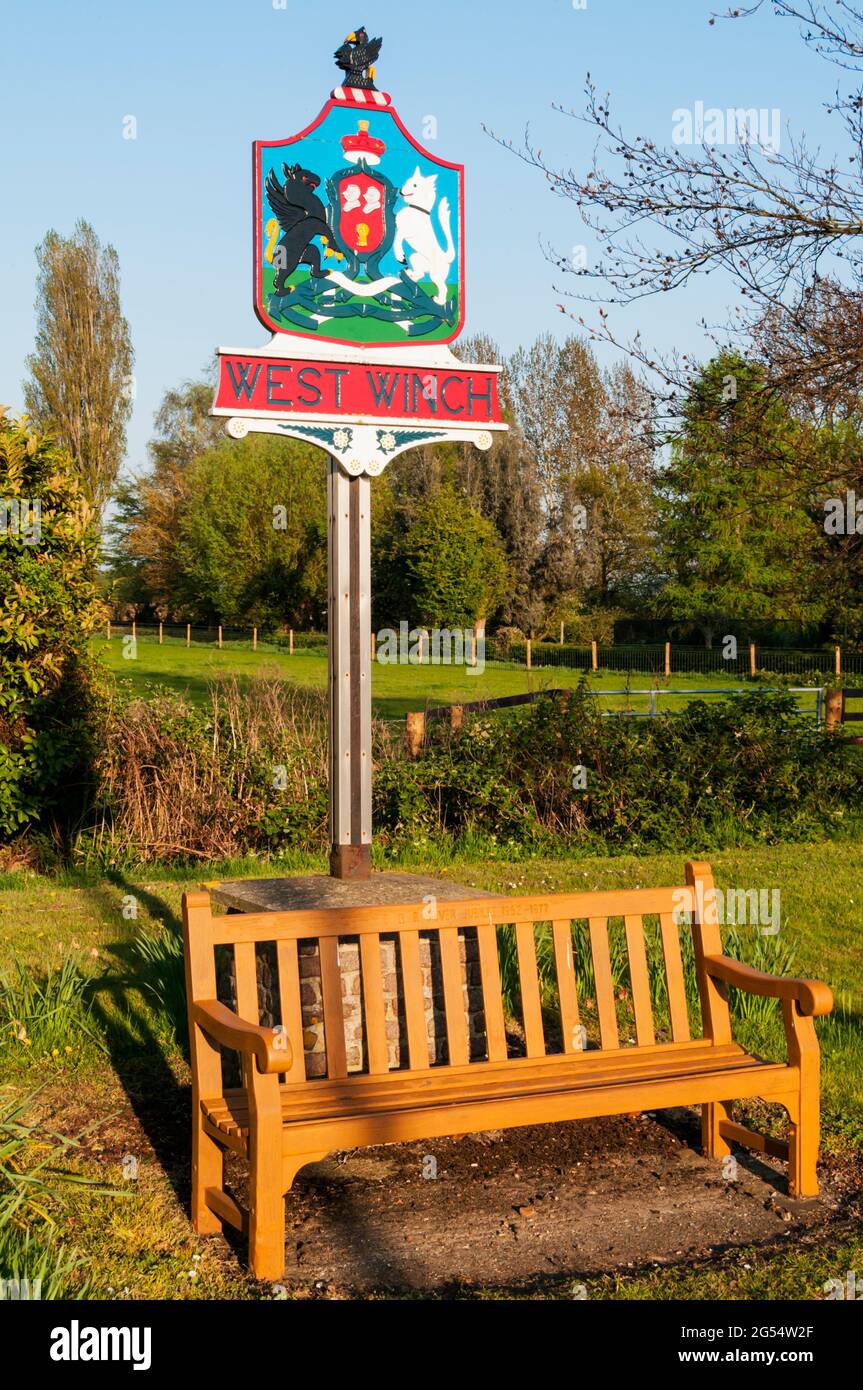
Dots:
(361, 212)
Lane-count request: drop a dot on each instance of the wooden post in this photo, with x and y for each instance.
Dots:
(561, 634)
(528, 648)
(349, 664)
(832, 710)
(109, 629)
(594, 657)
(415, 728)
(290, 641)
(134, 632)
(188, 634)
(752, 664)
(456, 715)
(220, 636)
(374, 646)
(839, 661)
(160, 634)
(254, 639)
(668, 658)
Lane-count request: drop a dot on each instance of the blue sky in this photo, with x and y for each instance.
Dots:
(203, 78)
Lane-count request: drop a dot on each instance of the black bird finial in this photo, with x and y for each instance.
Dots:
(357, 57)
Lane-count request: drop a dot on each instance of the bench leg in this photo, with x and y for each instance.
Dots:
(714, 1144)
(208, 1170)
(266, 1205)
(803, 1145)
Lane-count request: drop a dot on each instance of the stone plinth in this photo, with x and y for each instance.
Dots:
(381, 889)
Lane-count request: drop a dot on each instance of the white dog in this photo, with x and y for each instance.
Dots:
(414, 226)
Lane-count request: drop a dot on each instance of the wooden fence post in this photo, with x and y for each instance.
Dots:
(290, 641)
(160, 634)
(594, 663)
(188, 634)
(561, 634)
(109, 630)
(374, 646)
(456, 715)
(528, 647)
(254, 639)
(220, 636)
(415, 726)
(134, 631)
(839, 661)
(668, 658)
(832, 709)
(752, 663)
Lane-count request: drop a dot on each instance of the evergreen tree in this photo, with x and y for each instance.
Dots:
(739, 545)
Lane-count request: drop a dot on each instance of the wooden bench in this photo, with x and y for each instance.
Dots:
(280, 1121)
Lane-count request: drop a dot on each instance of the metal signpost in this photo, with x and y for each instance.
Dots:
(359, 273)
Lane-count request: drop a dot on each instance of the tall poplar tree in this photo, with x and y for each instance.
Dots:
(80, 385)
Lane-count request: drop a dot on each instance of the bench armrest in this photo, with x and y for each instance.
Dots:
(811, 996)
(270, 1047)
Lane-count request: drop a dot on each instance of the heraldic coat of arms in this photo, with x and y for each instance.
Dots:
(358, 228)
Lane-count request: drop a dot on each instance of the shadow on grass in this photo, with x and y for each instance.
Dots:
(138, 1051)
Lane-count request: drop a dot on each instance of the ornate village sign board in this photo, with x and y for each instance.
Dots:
(359, 272)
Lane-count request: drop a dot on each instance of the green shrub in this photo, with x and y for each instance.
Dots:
(248, 774)
(48, 606)
(750, 768)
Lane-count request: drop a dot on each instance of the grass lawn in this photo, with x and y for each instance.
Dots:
(395, 689)
(119, 1077)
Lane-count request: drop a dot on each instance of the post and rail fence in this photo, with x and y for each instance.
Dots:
(664, 659)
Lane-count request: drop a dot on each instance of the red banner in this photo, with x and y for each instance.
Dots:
(278, 385)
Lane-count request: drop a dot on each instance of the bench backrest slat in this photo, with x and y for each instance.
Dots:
(564, 963)
(598, 927)
(370, 990)
(644, 1034)
(453, 995)
(531, 1004)
(414, 1003)
(334, 1017)
(247, 985)
(373, 1003)
(291, 1005)
(489, 966)
(677, 1009)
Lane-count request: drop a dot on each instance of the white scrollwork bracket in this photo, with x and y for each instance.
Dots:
(360, 447)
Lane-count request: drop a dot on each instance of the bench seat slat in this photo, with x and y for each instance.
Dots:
(231, 1113)
(445, 1082)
